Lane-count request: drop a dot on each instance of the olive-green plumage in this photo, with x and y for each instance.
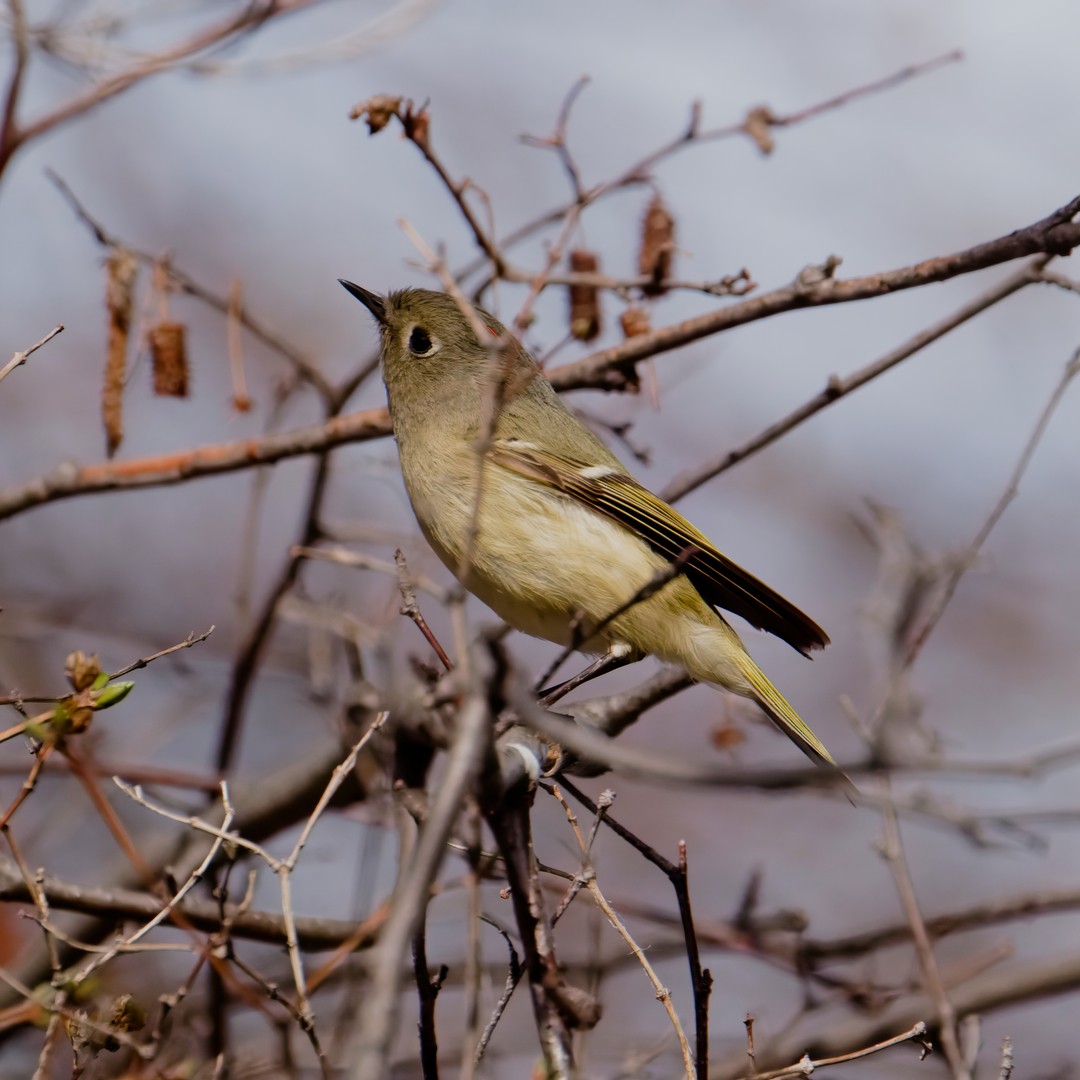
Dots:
(564, 533)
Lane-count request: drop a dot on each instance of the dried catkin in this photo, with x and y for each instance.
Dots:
(168, 356)
(657, 250)
(634, 321)
(584, 299)
(120, 268)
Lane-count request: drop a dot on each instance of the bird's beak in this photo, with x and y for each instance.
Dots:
(372, 301)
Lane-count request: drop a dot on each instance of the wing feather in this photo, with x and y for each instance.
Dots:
(720, 582)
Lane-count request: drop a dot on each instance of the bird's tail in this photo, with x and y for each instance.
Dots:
(780, 712)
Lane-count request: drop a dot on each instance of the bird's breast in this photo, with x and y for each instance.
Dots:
(538, 558)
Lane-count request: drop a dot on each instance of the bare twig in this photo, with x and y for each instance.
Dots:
(838, 387)
(598, 749)
(97, 961)
(410, 608)
(514, 973)
(700, 978)
(806, 1065)
(347, 557)
(587, 877)
(286, 867)
(224, 304)
(998, 988)
(1012, 489)
(378, 1014)
(893, 851)
(246, 20)
(1056, 234)
(1006, 1070)
(67, 481)
(693, 134)
(20, 46)
(20, 357)
(427, 988)
(557, 140)
(990, 913)
(583, 631)
(187, 643)
(509, 821)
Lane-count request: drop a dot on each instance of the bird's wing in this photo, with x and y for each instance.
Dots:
(720, 582)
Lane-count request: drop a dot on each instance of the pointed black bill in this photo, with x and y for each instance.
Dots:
(372, 301)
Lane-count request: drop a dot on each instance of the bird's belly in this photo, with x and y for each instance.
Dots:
(542, 562)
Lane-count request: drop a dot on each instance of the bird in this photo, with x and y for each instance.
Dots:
(542, 522)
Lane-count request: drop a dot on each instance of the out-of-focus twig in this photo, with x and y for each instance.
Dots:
(892, 850)
(807, 1065)
(248, 19)
(1012, 489)
(20, 357)
(838, 387)
(377, 1022)
(693, 134)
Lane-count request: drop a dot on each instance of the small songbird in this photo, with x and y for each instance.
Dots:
(544, 524)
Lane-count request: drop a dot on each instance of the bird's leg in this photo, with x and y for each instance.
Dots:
(617, 656)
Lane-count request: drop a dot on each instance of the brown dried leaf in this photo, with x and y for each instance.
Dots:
(378, 111)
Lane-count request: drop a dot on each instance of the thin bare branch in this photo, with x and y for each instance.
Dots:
(1012, 489)
(806, 1065)
(250, 17)
(892, 849)
(377, 1024)
(20, 357)
(838, 387)
(1056, 234)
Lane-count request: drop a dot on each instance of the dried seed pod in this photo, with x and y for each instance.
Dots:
(168, 354)
(121, 269)
(584, 299)
(657, 246)
(634, 321)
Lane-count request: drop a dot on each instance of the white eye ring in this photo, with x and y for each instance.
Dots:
(421, 343)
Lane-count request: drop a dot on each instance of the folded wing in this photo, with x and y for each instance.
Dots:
(720, 582)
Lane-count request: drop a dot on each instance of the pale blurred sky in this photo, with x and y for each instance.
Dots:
(266, 178)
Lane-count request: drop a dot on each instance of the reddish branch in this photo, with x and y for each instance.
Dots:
(609, 369)
(1056, 234)
(70, 480)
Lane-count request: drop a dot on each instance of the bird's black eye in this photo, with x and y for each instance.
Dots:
(419, 341)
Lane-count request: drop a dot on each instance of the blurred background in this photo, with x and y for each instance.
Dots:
(248, 168)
